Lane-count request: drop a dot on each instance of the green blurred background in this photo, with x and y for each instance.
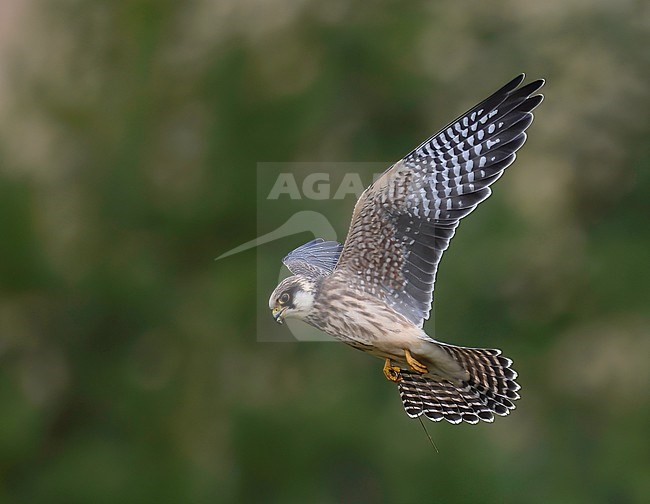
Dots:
(130, 367)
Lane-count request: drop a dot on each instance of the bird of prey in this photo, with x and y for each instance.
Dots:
(375, 291)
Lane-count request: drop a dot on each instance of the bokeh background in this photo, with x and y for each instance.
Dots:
(130, 367)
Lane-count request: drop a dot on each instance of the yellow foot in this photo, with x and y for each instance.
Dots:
(392, 372)
(415, 365)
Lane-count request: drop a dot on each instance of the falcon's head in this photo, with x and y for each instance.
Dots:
(294, 297)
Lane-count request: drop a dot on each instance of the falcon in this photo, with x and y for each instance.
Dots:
(375, 291)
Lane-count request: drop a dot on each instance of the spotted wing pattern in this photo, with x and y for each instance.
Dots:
(404, 221)
(490, 389)
(316, 258)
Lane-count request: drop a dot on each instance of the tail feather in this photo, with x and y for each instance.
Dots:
(490, 389)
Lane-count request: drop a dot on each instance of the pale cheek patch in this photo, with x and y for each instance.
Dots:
(303, 301)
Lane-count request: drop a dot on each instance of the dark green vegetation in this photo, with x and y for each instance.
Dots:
(130, 369)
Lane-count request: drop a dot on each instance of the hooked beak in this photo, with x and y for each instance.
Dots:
(277, 312)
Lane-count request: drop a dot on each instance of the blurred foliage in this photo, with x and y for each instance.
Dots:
(129, 137)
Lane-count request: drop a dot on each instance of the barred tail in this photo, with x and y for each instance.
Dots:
(490, 389)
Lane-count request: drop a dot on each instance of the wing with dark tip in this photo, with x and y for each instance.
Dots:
(404, 221)
(314, 259)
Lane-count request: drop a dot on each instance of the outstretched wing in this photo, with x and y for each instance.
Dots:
(314, 259)
(404, 221)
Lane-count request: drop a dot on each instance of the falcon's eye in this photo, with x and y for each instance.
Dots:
(284, 298)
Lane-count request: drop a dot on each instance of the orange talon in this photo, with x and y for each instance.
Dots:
(392, 373)
(415, 365)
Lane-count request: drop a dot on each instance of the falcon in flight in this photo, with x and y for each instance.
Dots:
(375, 291)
